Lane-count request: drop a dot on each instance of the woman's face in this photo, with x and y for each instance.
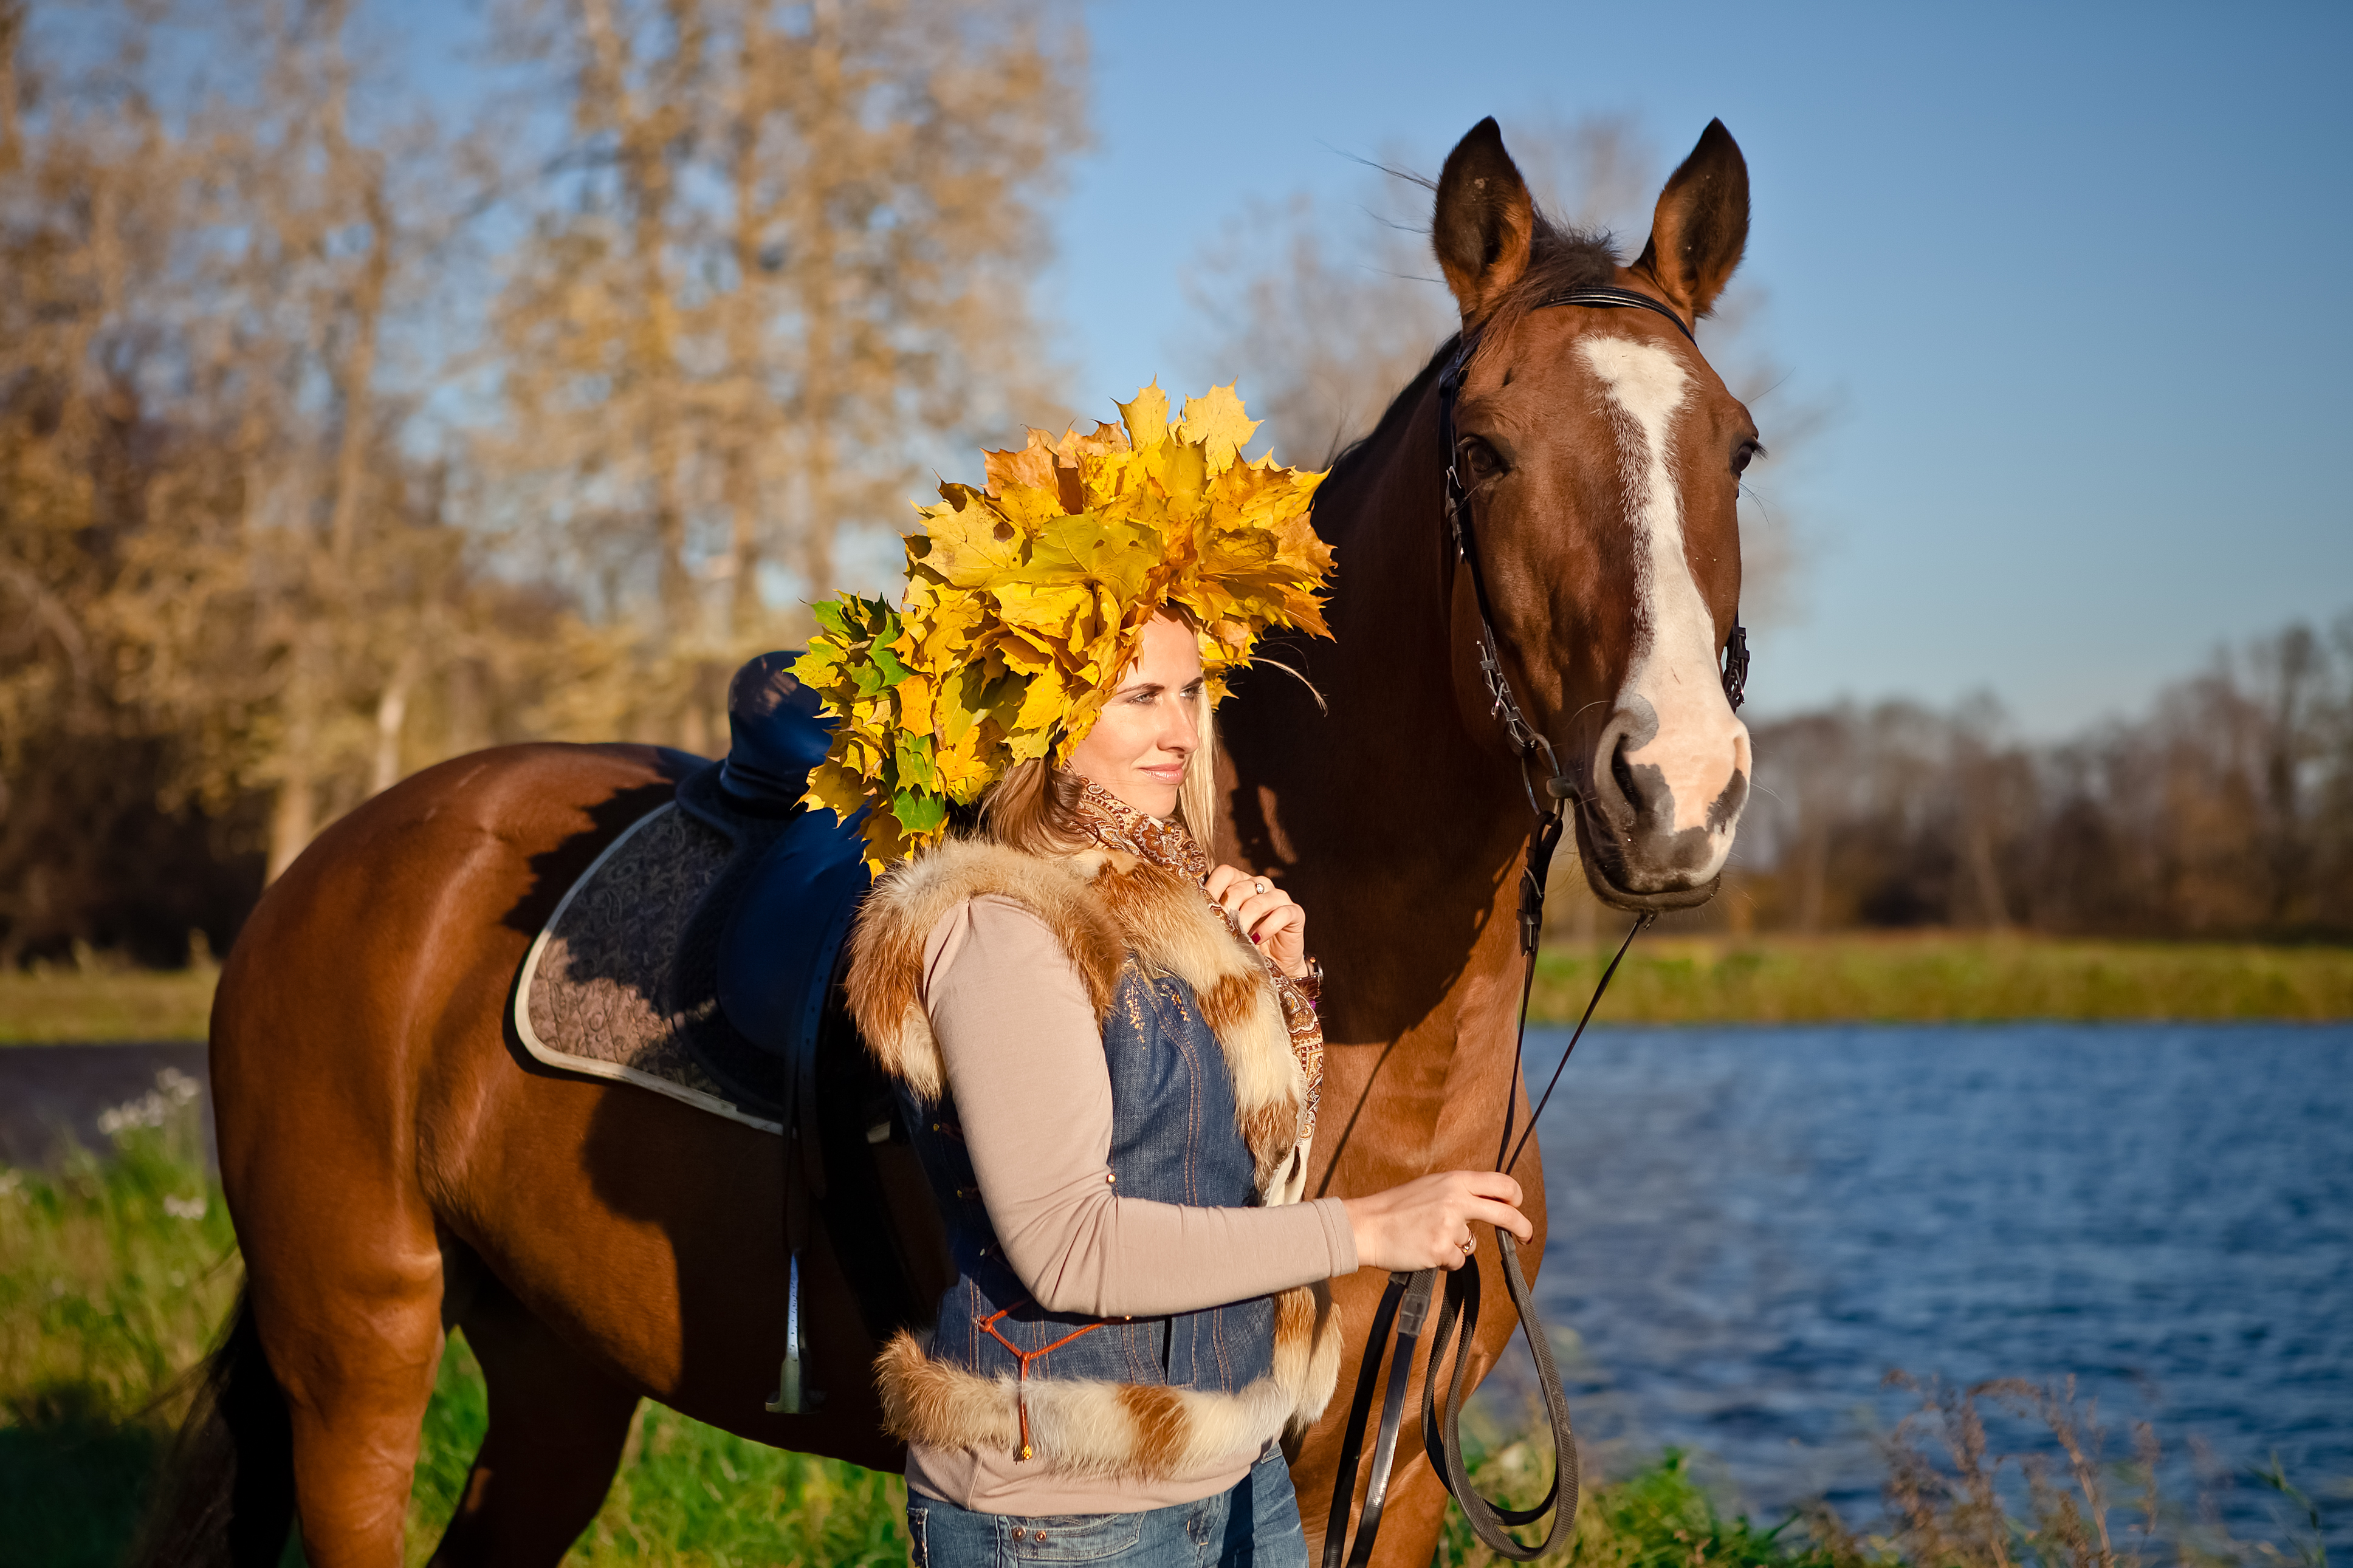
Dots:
(1139, 745)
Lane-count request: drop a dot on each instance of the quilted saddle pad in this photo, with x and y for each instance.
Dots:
(622, 976)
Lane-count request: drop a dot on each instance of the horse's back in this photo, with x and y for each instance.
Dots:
(392, 939)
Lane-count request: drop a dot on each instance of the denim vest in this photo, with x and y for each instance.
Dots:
(1173, 1140)
(1208, 1100)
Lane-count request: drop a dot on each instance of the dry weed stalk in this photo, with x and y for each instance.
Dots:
(1948, 1506)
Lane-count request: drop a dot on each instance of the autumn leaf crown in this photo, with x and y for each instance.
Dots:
(1026, 601)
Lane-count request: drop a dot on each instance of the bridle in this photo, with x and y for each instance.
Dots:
(1532, 741)
(1405, 1301)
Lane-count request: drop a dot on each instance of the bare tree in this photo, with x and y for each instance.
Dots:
(277, 603)
(2226, 810)
(258, 551)
(785, 260)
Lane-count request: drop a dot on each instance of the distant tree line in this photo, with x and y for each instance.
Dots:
(2225, 811)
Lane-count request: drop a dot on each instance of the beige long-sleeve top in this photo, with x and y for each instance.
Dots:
(1032, 1092)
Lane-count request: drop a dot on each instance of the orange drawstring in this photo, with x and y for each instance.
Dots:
(1021, 1400)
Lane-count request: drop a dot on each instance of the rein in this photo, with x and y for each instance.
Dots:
(1405, 1301)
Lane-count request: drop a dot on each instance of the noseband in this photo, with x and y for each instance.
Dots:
(1406, 1302)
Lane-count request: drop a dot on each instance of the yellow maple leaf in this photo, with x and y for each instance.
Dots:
(1145, 416)
(914, 695)
(971, 543)
(1030, 468)
(1026, 599)
(1216, 422)
(837, 789)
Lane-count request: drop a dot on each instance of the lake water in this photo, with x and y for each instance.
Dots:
(1752, 1226)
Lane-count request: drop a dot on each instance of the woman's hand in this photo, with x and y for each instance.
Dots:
(1264, 913)
(1426, 1224)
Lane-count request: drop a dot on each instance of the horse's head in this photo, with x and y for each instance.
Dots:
(1601, 457)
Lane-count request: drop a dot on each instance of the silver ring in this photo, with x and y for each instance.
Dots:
(1260, 884)
(1469, 1247)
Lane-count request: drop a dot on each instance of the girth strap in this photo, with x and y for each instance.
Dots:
(804, 1188)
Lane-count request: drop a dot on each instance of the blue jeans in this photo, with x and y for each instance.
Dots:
(1254, 1524)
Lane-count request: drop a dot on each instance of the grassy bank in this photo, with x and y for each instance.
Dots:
(1943, 977)
(1939, 977)
(100, 1003)
(114, 1272)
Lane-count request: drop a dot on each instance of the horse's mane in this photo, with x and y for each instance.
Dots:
(1559, 257)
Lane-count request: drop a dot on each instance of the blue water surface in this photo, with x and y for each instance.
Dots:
(1751, 1227)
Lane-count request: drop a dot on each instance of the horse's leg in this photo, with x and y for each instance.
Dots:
(315, 1046)
(557, 1426)
(353, 1337)
(1359, 1094)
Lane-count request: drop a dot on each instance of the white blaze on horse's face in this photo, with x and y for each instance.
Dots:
(1672, 769)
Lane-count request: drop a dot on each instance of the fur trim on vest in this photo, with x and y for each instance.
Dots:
(1103, 906)
(1100, 905)
(1120, 1430)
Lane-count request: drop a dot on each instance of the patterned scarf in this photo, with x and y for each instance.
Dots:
(1114, 824)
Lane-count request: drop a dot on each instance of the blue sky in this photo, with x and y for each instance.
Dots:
(2072, 281)
(2070, 278)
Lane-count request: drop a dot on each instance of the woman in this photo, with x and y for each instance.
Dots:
(1108, 1056)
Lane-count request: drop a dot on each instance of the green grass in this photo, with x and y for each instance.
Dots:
(1943, 978)
(1853, 977)
(115, 1275)
(116, 1272)
(98, 1002)
(686, 1494)
(1659, 1517)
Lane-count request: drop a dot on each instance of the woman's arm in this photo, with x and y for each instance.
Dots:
(1025, 1069)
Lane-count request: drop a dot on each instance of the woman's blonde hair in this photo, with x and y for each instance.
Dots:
(1035, 806)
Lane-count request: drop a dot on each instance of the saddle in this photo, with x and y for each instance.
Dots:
(702, 956)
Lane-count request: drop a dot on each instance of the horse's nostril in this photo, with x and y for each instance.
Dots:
(1623, 773)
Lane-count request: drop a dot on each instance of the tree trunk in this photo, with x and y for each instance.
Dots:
(1992, 907)
(1813, 882)
(358, 379)
(293, 813)
(391, 713)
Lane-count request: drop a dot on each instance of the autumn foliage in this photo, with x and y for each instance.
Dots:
(350, 420)
(1026, 599)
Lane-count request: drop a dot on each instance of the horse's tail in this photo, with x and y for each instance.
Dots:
(226, 1498)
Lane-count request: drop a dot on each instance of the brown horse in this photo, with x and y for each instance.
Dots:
(397, 1165)
(1602, 456)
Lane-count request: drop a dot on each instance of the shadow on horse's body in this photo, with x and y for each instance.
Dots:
(396, 1164)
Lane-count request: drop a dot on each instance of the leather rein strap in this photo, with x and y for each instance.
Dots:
(1405, 1306)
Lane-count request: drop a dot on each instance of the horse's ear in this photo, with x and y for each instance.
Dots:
(1485, 221)
(1700, 225)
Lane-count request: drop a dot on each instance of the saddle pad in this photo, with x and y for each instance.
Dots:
(600, 991)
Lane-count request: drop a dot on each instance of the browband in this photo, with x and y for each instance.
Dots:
(1608, 295)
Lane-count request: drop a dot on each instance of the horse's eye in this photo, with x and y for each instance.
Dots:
(1480, 461)
(1742, 454)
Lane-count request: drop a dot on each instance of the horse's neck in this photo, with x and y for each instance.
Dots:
(1403, 827)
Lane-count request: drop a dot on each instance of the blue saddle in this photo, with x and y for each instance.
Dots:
(767, 945)
(780, 951)
(778, 919)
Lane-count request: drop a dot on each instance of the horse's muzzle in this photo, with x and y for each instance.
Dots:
(1642, 848)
